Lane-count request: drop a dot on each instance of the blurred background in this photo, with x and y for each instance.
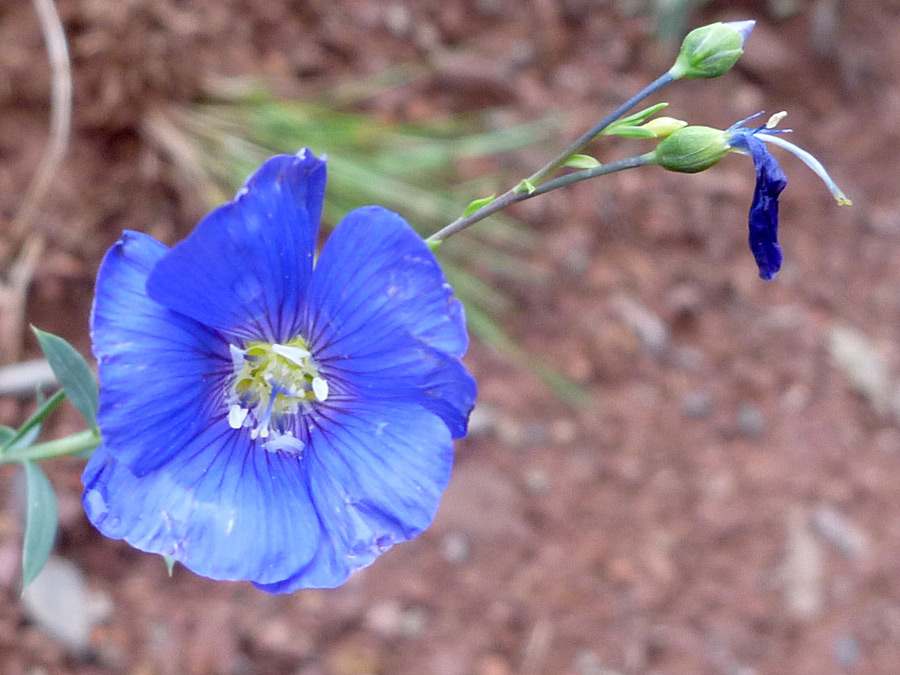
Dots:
(674, 467)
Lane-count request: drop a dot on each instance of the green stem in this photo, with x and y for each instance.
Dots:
(516, 194)
(579, 144)
(512, 197)
(83, 441)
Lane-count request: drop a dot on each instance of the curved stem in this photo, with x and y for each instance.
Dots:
(83, 441)
(512, 197)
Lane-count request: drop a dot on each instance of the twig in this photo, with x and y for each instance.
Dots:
(60, 114)
(15, 290)
(25, 378)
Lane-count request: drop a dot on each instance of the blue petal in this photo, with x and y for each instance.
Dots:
(770, 181)
(223, 507)
(376, 474)
(245, 268)
(161, 374)
(383, 322)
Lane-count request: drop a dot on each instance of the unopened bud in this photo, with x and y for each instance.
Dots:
(664, 126)
(692, 149)
(710, 51)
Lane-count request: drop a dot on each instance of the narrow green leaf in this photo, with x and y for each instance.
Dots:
(641, 116)
(582, 162)
(628, 131)
(25, 440)
(40, 523)
(7, 434)
(73, 373)
(170, 564)
(525, 186)
(477, 204)
(29, 431)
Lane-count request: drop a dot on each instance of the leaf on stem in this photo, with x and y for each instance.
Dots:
(629, 131)
(582, 162)
(639, 117)
(7, 434)
(40, 522)
(477, 204)
(73, 373)
(525, 186)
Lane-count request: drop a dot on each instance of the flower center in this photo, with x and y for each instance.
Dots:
(271, 382)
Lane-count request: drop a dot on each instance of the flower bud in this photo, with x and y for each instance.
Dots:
(710, 51)
(664, 126)
(692, 149)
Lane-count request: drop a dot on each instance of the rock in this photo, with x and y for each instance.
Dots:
(650, 330)
(750, 421)
(834, 528)
(58, 603)
(385, 619)
(587, 663)
(803, 569)
(697, 405)
(412, 621)
(482, 420)
(536, 482)
(846, 652)
(864, 366)
(455, 547)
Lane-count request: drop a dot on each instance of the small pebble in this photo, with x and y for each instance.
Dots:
(846, 651)
(536, 481)
(412, 621)
(750, 420)
(57, 602)
(697, 405)
(456, 548)
(846, 537)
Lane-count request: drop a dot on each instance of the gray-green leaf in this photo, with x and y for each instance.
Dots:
(73, 373)
(40, 522)
(6, 436)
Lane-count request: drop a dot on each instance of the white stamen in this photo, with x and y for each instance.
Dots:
(285, 441)
(811, 162)
(236, 416)
(293, 354)
(320, 388)
(775, 119)
(237, 356)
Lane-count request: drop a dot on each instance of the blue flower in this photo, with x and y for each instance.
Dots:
(770, 182)
(265, 417)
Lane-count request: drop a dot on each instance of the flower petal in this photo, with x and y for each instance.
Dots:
(161, 373)
(383, 322)
(376, 474)
(770, 181)
(223, 507)
(245, 268)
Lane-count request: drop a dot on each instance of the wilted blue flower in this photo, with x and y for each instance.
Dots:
(770, 181)
(266, 418)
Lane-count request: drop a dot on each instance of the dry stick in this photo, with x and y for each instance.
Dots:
(60, 114)
(13, 292)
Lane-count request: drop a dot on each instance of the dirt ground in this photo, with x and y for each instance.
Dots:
(727, 501)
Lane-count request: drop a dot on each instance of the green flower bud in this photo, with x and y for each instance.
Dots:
(710, 51)
(692, 149)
